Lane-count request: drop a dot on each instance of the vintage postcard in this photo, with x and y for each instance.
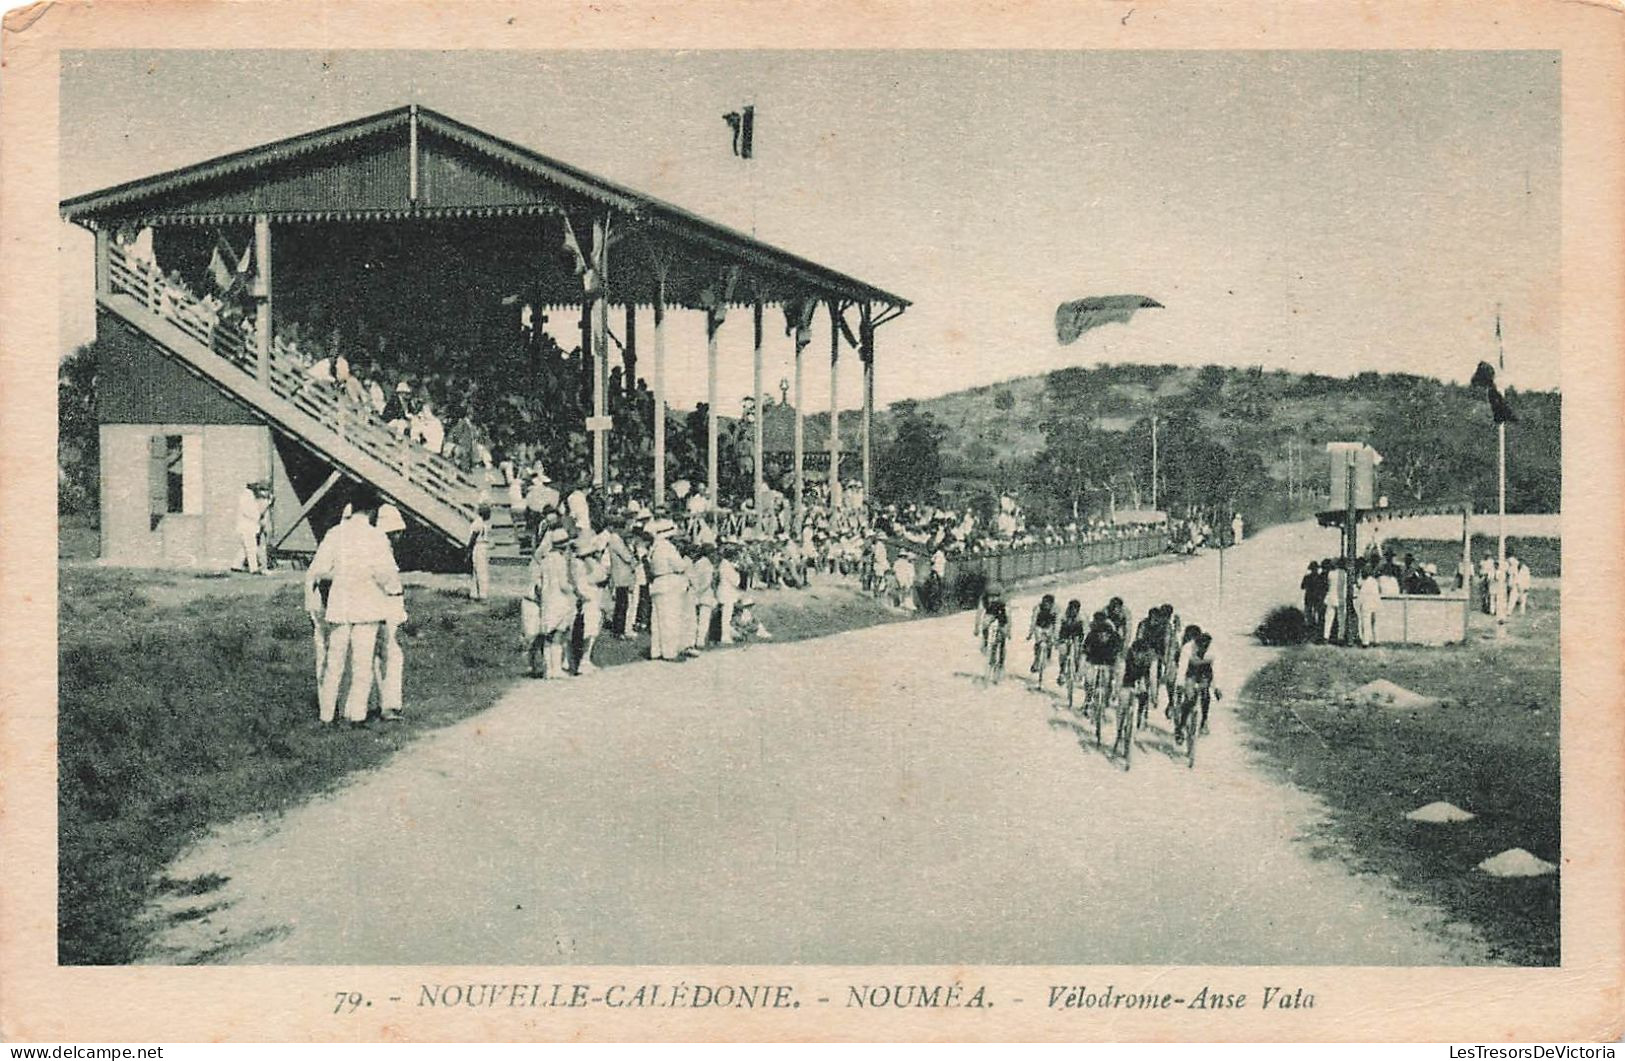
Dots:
(737, 521)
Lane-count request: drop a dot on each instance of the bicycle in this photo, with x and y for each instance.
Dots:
(997, 641)
(1097, 690)
(1127, 714)
(1041, 652)
(1193, 709)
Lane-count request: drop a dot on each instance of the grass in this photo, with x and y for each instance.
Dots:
(186, 701)
(173, 718)
(1491, 748)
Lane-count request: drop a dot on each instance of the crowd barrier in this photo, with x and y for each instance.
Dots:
(967, 575)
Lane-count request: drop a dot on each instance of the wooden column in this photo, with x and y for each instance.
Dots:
(799, 443)
(599, 329)
(104, 278)
(713, 324)
(756, 401)
(866, 354)
(262, 296)
(629, 351)
(834, 402)
(659, 499)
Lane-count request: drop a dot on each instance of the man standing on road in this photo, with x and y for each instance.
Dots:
(623, 583)
(356, 558)
(391, 657)
(669, 635)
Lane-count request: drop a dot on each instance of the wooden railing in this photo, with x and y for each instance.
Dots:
(354, 421)
(970, 571)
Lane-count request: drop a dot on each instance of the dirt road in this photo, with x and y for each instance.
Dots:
(854, 799)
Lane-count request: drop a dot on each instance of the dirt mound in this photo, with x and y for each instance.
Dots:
(1384, 693)
(1516, 862)
(1440, 812)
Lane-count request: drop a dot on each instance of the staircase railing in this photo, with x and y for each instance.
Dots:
(355, 421)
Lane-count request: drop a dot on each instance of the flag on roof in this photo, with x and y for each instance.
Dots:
(1074, 318)
(743, 124)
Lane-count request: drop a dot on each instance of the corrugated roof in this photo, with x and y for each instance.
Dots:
(658, 220)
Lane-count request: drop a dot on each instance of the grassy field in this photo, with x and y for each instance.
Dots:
(188, 700)
(1490, 747)
(173, 717)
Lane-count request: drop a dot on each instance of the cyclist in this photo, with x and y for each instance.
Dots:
(1070, 636)
(1154, 633)
(1170, 659)
(1041, 632)
(1117, 613)
(1102, 648)
(1195, 680)
(993, 627)
(1138, 689)
(1200, 675)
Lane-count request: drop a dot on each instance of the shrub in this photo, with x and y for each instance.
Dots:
(1284, 625)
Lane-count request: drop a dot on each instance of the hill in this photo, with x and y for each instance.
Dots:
(1227, 436)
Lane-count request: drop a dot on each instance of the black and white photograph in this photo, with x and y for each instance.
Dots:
(833, 507)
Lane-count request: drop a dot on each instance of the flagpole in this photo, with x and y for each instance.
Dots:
(1153, 462)
(1501, 587)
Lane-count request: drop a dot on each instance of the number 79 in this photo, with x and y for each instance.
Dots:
(353, 999)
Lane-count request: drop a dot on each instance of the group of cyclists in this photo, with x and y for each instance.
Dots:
(1119, 668)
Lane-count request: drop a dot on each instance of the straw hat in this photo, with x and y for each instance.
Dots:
(662, 528)
(389, 519)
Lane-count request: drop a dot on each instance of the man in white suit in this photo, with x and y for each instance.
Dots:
(356, 559)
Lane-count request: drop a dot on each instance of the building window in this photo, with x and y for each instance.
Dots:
(174, 478)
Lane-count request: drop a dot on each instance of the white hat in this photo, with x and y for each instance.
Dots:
(389, 519)
(662, 528)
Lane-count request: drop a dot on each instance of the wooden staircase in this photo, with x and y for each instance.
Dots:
(350, 438)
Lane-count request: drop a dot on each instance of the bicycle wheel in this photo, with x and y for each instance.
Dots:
(1072, 686)
(1123, 746)
(1098, 703)
(1192, 724)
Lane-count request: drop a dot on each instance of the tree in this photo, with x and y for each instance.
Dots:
(78, 434)
(1425, 445)
(911, 464)
(1208, 387)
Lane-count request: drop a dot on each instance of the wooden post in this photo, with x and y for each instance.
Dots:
(834, 403)
(713, 324)
(598, 327)
(104, 276)
(629, 351)
(659, 499)
(262, 296)
(1351, 553)
(798, 444)
(1467, 549)
(756, 399)
(866, 354)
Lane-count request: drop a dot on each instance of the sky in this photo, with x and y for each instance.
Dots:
(1326, 212)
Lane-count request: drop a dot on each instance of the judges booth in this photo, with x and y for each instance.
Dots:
(1403, 618)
